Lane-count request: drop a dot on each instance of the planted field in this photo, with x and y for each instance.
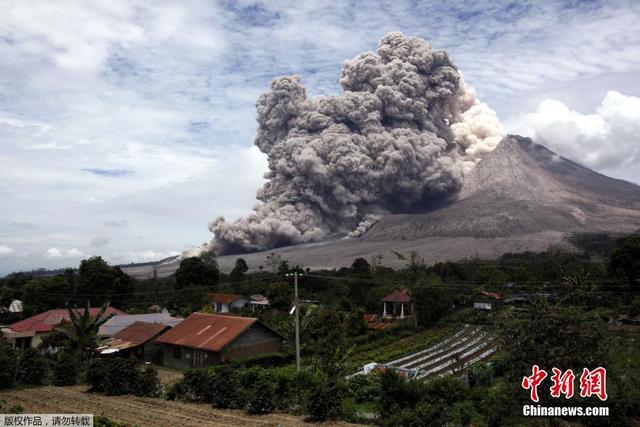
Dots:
(136, 411)
(463, 347)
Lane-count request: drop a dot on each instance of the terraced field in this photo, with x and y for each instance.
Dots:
(468, 345)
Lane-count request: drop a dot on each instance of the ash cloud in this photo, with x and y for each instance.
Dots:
(400, 136)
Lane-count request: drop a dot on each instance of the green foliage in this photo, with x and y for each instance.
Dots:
(8, 366)
(32, 367)
(240, 268)
(325, 401)
(480, 374)
(364, 388)
(102, 283)
(46, 293)
(226, 389)
(65, 369)
(552, 336)
(625, 261)
(193, 272)
(280, 295)
(116, 376)
(82, 329)
(261, 399)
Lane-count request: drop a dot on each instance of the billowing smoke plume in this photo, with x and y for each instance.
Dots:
(400, 136)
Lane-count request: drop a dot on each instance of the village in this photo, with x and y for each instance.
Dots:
(360, 344)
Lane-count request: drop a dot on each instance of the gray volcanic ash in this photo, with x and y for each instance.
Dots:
(399, 138)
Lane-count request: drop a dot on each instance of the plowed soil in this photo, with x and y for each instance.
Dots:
(137, 411)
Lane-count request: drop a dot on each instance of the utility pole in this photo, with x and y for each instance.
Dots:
(296, 302)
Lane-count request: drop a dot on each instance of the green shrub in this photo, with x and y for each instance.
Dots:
(261, 396)
(148, 383)
(8, 365)
(65, 369)
(480, 374)
(325, 402)
(364, 388)
(32, 367)
(226, 389)
(116, 376)
(197, 385)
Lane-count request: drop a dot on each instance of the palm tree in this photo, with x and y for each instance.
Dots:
(82, 329)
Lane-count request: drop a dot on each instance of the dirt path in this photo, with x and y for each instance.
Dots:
(137, 411)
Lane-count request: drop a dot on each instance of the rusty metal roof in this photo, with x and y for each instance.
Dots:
(204, 331)
(224, 298)
(133, 335)
(400, 296)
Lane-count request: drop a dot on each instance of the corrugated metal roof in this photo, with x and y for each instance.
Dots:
(400, 296)
(224, 298)
(117, 323)
(132, 336)
(207, 331)
(47, 321)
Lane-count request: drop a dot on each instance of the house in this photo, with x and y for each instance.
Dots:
(136, 340)
(210, 339)
(29, 332)
(119, 322)
(227, 303)
(397, 305)
(258, 303)
(487, 301)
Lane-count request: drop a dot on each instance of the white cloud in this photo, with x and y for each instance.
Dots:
(166, 92)
(58, 253)
(5, 250)
(606, 140)
(142, 256)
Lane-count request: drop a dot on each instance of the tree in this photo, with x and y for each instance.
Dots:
(361, 267)
(273, 262)
(193, 272)
(280, 295)
(83, 328)
(8, 365)
(625, 261)
(237, 274)
(65, 369)
(208, 257)
(32, 367)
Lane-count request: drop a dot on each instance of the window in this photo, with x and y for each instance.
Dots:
(177, 352)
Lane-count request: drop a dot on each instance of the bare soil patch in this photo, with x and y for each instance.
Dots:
(137, 411)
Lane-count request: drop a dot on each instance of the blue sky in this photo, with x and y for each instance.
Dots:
(126, 126)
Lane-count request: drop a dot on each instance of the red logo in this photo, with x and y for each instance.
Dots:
(534, 381)
(592, 382)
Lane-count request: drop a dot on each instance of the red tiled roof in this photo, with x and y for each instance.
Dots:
(224, 298)
(47, 321)
(400, 296)
(203, 331)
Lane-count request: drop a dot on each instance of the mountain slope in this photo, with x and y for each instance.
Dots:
(522, 188)
(520, 197)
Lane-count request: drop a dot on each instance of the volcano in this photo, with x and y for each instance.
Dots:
(520, 197)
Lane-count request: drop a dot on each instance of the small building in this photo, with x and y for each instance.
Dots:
(204, 339)
(397, 305)
(135, 341)
(375, 323)
(121, 321)
(29, 332)
(15, 306)
(227, 303)
(487, 301)
(257, 303)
